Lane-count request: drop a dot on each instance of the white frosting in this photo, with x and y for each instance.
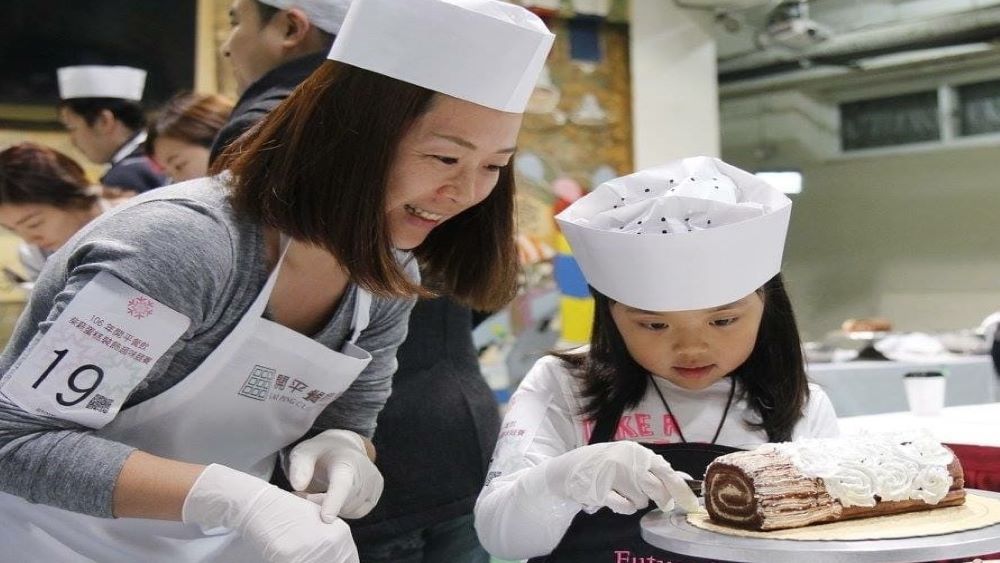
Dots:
(893, 467)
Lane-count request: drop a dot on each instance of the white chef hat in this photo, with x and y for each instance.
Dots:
(692, 234)
(327, 15)
(95, 81)
(483, 51)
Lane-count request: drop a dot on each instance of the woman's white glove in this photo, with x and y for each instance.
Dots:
(281, 526)
(623, 476)
(335, 464)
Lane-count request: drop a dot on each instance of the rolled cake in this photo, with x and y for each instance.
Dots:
(794, 484)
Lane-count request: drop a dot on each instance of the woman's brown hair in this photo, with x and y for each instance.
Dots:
(316, 169)
(35, 174)
(192, 118)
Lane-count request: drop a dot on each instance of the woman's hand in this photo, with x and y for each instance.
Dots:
(336, 465)
(623, 476)
(281, 526)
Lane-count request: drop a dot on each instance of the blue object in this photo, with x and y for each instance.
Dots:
(585, 38)
(569, 277)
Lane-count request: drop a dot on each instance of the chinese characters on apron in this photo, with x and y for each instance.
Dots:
(258, 392)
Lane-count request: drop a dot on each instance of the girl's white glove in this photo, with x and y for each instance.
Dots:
(623, 476)
(281, 526)
(335, 466)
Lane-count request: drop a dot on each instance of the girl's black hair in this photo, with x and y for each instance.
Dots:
(772, 380)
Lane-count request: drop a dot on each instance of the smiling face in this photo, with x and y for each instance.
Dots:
(45, 226)
(691, 349)
(182, 160)
(448, 161)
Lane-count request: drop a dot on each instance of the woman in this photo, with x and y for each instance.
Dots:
(158, 306)
(45, 199)
(182, 133)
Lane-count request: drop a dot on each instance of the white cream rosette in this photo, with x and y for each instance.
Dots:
(870, 467)
(895, 479)
(931, 484)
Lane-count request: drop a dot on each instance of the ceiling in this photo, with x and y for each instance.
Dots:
(848, 34)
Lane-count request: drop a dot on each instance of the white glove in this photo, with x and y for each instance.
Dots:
(623, 476)
(282, 527)
(336, 464)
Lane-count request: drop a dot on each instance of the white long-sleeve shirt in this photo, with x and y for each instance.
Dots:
(518, 517)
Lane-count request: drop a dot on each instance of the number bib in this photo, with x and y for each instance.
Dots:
(95, 353)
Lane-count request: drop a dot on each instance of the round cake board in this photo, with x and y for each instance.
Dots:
(977, 512)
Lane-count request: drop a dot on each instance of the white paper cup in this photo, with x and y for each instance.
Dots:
(925, 392)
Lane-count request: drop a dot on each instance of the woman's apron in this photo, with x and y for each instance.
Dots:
(259, 391)
(607, 537)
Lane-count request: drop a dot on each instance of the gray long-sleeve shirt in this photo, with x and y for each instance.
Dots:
(184, 246)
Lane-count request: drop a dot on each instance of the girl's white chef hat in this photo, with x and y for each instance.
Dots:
(483, 51)
(95, 81)
(692, 234)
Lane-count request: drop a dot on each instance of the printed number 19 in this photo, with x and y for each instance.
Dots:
(71, 382)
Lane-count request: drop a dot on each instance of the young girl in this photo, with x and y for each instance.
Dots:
(694, 353)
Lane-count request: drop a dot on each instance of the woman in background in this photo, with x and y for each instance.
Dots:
(181, 137)
(45, 198)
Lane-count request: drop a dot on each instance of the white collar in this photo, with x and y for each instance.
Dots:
(128, 147)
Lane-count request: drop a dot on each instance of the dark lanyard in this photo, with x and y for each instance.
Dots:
(725, 413)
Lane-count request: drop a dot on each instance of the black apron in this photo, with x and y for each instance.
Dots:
(607, 537)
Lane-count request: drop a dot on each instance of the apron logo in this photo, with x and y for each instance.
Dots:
(625, 556)
(140, 307)
(265, 383)
(258, 383)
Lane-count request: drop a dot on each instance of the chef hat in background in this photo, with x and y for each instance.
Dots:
(327, 15)
(94, 81)
(483, 51)
(692, 234)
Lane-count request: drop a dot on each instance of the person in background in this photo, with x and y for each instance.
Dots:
(690, 358)
(434, 437)
(181, 135)
(45, 198)
(273, 46)
(100, 110)
(181, 343)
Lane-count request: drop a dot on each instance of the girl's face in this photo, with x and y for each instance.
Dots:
(447, 162)
(45, 226)
(182, 160)
(691, 349)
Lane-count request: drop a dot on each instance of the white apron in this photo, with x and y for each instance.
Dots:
(259, 391)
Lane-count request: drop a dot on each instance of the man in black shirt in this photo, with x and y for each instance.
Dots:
(273, 46)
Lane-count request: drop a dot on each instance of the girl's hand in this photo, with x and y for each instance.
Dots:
(623, 476)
